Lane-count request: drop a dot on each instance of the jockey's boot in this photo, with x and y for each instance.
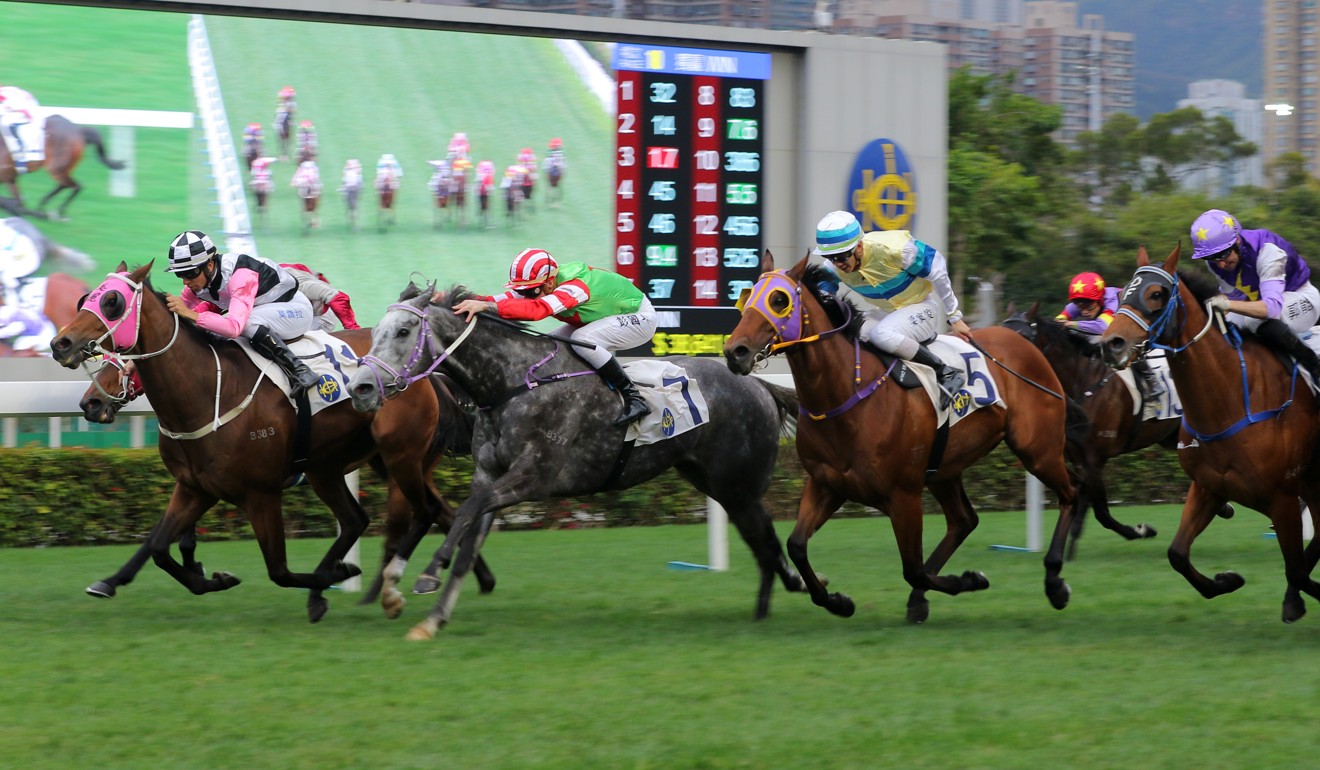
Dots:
(1148, 380)
(1277, 336)
(634, 406)
(273, 347)
(951, 379)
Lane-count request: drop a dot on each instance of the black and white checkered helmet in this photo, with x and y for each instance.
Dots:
(190, 249)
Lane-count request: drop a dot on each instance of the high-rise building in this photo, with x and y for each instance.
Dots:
(1229, 99)
(1292, 117)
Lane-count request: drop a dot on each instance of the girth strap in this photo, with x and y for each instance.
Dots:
(302, 434)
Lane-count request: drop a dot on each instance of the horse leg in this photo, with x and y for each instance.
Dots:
(352, 520)
(444, 606)
(818, 504)
(74, 189)
(105, 589)
(443, 514)
(960, 520)
(1198, 512)
(185, 508)
(1093, 483)
(1286, 513)
(1045, 462)
(758, 531)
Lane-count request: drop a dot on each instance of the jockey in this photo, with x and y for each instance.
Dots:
(438, 184)
(287, 100)
(307, 137)
(1264, 284)
(20, 257)
(252, 135)
(308, 176)
(25, 329)
(1090, 310)
(555, 157)
(485, 176)
(458, 146)
(261, 174)
(323, 297)
(602, 308)
(20, 118)
(235, 295)
(352, 179)
(388, 165)
(905, 292)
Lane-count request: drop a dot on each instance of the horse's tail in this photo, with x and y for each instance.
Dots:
(786, 402)
(93, 137)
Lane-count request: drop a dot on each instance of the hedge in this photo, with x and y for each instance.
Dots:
(83, 497)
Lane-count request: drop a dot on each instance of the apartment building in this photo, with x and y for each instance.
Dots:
(1292, 115)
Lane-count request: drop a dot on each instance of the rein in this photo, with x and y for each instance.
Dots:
(1011, 371)
(425, 343)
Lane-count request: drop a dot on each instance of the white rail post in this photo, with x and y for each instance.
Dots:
(717, 536)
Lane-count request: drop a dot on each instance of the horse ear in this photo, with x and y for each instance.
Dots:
(1143, 259)
(800, 269)
(123, 267)
(767, 262)
(1011, 309)
(1033, 312)
(141, 273)
(1171, 264)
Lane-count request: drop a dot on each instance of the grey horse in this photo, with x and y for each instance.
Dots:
(545, 430)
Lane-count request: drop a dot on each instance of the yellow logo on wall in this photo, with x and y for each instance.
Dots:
(882, 188)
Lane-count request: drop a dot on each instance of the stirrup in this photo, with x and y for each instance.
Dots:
(634, 408)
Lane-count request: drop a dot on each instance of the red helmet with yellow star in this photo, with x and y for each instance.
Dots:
(1087, 286)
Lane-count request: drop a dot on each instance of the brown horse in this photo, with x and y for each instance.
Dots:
(307, 181)
(65, 144)
(870, 441)
(246, 456)
(117, 383)
(1250, 426)
(387, 184)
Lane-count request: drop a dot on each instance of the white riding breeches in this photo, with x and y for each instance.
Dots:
(1301, 310)
(285, 320)
(899, 332)
(616, 332)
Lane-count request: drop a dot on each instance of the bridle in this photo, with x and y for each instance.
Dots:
(107, 303)
(1157, 323)
(790, 323)
(426, 344)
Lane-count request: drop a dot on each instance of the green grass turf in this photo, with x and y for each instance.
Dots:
(591, 654)
(368, 90)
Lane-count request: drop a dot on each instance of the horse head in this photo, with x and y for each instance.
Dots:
(115, 384)
(1158, 308)
(401, 346)
(112, 311)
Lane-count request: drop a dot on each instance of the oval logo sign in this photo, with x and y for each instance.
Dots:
(882, 190)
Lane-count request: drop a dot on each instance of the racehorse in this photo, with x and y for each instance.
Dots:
(1106, 426)
(284, 127)
(351, 188)
(117, 383)
(307, 181)
(262, 184)
(1250, 426)
(440, 185)
(65, 144)
(554, 171)
(545, 429)
(245, 456)
(872, 442)
(387, 184)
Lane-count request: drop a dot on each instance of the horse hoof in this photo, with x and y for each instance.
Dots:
(975, 580)
(1227, 511)
(429, 584)
(1229, 581)
(1058, 591)
(1293, 611)
(101, 590)
(316, 609)
(1145, 532)
(486, 586)
(225, 580)
(393, 603)
(841, 605)
(419, 633)
(918, 613)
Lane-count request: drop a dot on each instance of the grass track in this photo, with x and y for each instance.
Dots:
(591, 654)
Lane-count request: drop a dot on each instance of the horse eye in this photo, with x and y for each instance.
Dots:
(112, 305)
(403, 331)
(779, 302)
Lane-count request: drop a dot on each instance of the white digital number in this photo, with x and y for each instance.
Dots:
(663, 93)
(663, 191)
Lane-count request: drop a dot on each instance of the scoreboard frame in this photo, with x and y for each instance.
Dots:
(689, 182)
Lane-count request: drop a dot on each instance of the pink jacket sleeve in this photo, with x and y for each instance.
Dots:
(242, 293)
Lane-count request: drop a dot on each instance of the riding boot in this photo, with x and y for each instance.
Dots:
(951, 379)
(1148, 379)
(1277, 336)
(634, 406)
(273, 347)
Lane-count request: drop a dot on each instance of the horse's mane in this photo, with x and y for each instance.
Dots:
(1200, 285)
(202, 336)
(1052, 330)
(823, 283)
(456, 294)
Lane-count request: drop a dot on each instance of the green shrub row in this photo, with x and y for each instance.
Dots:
(81, 497)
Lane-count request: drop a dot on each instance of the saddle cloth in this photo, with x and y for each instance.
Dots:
(329, 357)
(34, 140)
(980, 390)
(1165, 406)
(677, 405)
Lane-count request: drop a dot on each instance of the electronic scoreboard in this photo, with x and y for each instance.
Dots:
(688, 186)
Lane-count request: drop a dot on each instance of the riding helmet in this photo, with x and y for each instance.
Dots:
(190, 249)
(1213, 232)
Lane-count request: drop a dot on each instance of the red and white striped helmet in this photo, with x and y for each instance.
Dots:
(531, 268)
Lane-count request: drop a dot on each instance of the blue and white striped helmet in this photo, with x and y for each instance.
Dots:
(836, 233)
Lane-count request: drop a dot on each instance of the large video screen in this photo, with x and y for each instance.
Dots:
(366, 92)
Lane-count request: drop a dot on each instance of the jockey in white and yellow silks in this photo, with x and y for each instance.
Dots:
(901, 285)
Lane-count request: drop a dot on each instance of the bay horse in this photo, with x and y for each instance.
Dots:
(554, 172)
(245, 456)
(307, 181)
(284, 126)
(117, 383)
(387, 185)
(870, 441)
(65, 144)
(1102, 424)
(545, 429)
(1250, 425)
(351, 188)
